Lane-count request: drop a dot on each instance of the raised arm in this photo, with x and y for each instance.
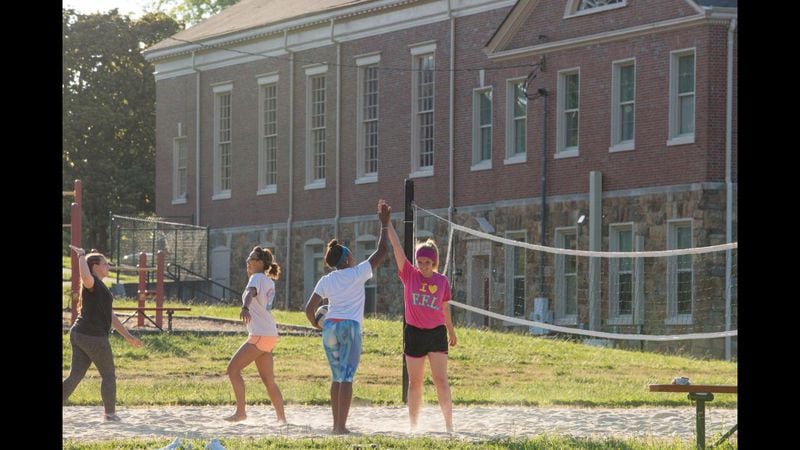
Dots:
(83, 267)
(384, 215)
(397, 247)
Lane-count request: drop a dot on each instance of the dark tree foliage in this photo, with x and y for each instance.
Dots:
(109, 115)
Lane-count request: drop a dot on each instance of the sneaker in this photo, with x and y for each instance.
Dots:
(214, 444)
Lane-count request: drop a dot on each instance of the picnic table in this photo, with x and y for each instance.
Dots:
(700, 394)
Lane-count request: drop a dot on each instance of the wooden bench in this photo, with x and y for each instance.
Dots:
(169, 309)
(700, 393)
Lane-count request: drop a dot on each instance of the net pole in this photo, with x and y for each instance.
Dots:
(75, 213)
(408, 248)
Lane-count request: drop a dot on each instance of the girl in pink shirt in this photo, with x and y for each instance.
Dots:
(429, 328)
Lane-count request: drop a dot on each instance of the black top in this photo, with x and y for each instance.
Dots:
(95, 316)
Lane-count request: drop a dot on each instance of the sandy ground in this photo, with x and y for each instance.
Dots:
(471, 423)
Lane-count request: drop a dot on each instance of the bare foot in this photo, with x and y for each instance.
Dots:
(282, 422)
(111, 417)
(236, 418)
(341, 431)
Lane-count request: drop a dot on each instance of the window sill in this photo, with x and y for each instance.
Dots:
(568, 153)
(621, 147)
(179, 201)
(367, 179)
(620, 320)
(271, 189)
(483, 165)
(224, 195)
(319, 184)
(516, 159)
(421, 173)
(681, 140)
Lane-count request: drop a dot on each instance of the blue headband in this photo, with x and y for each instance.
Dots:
(344, 254)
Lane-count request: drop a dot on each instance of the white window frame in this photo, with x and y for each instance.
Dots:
(614, 272)
(180, 167)
(572, 8)
(310, 258)
(222, 184)
(364, 63)
(562, 151)
(362, 254)
(478, 162)
(675, 137)
(314, 72)
(617, 144)
(673, 318)
(561, 318)
(266, 186)
(418, 52)
(511, 275)
(511, 120)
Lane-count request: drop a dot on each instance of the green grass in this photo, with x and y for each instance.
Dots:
(544, 442)
(486, 368)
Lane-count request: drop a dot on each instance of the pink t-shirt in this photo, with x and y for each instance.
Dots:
(424, 297)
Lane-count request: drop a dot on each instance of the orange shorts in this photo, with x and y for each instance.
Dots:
(263, 343)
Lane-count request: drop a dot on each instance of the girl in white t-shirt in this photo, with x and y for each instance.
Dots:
(262, 329)
(341, 332)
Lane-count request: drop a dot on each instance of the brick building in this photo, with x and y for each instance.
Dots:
(282, 122)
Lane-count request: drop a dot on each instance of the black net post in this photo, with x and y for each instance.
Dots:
(408, 248)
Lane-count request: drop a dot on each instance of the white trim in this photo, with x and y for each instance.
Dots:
(316, 184)
(618, 145)
(559, 311)
(562, 151)
(269, 189)
(366, 179)
(614, 317)
(222, 86)
(179, 201)
(422, 173)
(594, 39)
(674, 138)
(422, 48)
(315, 69)
(223, 195)
(572, 8)
(178, 197)
(478, 163)
(510, 157)
(511, 275)
(360, 124)
(368, 59)
(217, 191)
(672, 316)
(310, 150)
(267, 78)
(416, 168)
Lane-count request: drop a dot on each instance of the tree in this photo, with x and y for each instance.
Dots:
(108, 112)
(191, 12)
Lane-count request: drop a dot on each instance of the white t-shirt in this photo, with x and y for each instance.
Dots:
(344, 289)
(262, 323)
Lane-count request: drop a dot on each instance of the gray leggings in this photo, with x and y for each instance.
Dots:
(85, 351)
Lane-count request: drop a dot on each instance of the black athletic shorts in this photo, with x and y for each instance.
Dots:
(419, 342)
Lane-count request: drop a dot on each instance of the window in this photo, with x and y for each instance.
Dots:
(313, 265)
(268, 139)
(422, 110)
(180, 166)
(315, 126)
(365, 246)
(680, 283)
(623, 95)
(482, 129)
(681, 97)
(568, 113)
(582, 7)
(516, 121)
(621, 275)
(367, 119)
(567, 278)
(515, 279)
(222, 141)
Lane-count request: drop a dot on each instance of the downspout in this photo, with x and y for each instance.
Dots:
(338, 132)
(729, 184)
(288, 266)
(543, 92)
(196, 141)
(450, 130)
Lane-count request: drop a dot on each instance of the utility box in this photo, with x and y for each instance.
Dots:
(541, 313)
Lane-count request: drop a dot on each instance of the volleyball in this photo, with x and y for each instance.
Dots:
(320, 314)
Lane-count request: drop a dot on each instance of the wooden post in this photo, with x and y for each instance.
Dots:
(142, 288)
(160, 287)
